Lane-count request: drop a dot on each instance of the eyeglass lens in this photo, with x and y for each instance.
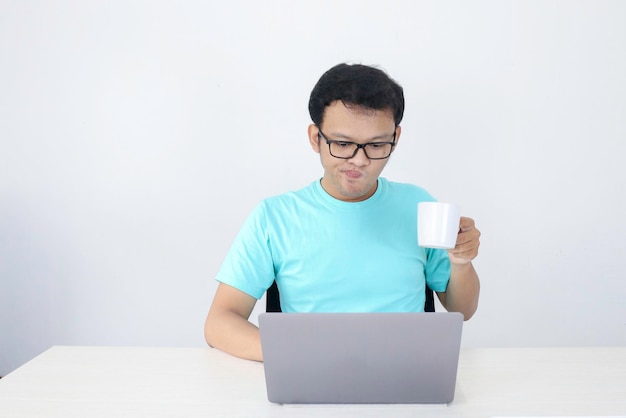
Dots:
(349, 150)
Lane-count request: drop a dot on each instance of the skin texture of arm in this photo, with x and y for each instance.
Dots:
(464, 286)
(227, 327)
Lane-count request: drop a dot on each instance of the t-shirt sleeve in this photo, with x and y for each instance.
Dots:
(248, 266)
(437, 270)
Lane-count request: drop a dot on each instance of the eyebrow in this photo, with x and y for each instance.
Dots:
(350, 139)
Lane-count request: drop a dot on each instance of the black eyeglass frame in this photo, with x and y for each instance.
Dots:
(321, 134)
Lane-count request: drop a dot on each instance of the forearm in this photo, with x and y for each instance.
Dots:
(463, 290)
(233, 334)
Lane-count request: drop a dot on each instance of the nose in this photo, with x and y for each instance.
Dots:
(360, 158)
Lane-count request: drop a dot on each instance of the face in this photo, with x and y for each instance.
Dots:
(354, 179)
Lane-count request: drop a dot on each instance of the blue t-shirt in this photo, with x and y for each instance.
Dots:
(328, 255)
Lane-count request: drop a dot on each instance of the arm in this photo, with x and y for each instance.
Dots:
(464, 285)
(227, 327)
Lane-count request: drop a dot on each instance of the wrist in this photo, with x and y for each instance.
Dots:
(461, 266)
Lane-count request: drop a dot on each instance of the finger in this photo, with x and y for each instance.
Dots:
(467, 242)
(467, 236)
(466, 224)
(464, 253)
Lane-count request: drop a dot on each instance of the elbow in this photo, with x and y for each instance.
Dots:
(470, 311)
(468, 315)
(209, 331)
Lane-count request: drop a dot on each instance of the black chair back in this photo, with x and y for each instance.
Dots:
(272, 301)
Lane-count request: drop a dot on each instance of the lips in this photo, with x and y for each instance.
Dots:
(353, 174)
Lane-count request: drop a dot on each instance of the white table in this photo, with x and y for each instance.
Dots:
(203, 382)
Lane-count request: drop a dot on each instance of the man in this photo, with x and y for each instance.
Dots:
(347, 242)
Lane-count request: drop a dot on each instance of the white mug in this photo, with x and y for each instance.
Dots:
(437, 224)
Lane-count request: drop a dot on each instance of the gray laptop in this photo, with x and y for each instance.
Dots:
(334, 358)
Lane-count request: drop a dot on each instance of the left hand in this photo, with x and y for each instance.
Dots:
(467, 243)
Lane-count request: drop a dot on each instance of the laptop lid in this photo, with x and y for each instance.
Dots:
(360, 357)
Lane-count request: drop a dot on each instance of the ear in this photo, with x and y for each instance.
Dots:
(398, 132)
(314, 139)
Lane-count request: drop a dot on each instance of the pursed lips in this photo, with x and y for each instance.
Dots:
(353, 174)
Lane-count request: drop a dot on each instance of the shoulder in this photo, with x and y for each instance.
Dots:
(289, 202)
(305, 193)
(406, 191)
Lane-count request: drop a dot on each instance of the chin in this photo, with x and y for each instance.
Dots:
(353, 194)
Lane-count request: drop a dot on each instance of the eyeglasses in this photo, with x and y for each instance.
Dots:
(347, 150)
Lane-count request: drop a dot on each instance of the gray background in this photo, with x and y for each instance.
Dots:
(136, 136)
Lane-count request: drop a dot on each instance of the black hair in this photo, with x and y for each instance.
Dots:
(356, 85)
